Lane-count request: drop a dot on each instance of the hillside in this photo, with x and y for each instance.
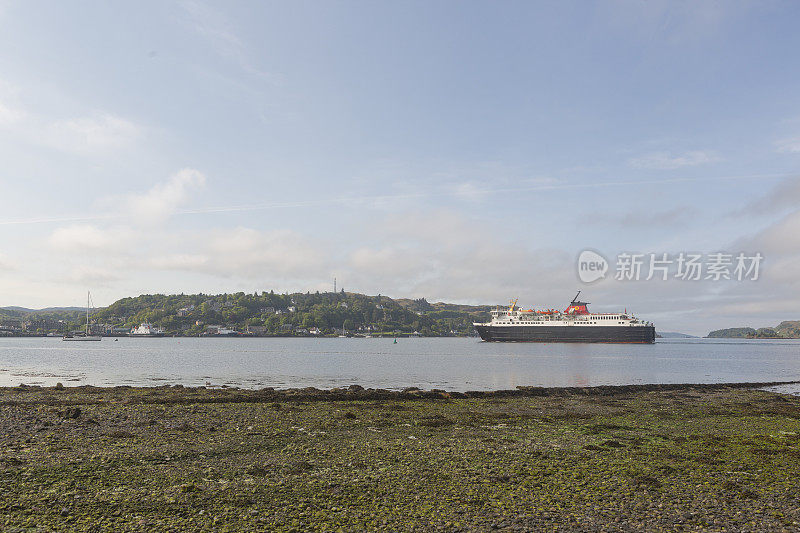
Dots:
(731, 333)
(674, 335)
(788, 329)
(23, 321)
(291, 314)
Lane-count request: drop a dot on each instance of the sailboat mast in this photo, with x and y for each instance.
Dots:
(87, 312)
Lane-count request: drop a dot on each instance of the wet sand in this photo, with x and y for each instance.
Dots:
(669, 457)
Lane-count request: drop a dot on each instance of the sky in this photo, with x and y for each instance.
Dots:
(458, 151)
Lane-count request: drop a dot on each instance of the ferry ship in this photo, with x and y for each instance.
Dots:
(146, 330)
(574, 324)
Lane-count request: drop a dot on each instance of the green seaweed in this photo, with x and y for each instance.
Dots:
(171, 459)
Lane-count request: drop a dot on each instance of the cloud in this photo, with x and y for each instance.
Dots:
(780, 238)
(9, 115)
(786, 194)
(469, 190)
(93, 134)
(241, 253)
(446, 255)
(184, 262)
(669, 217)
(161, 201)
(6, 264)
(789, 146)
(252, 253)
(668, 161)
(398, 262)
(90, 135)
(212, 26)
(92, 276)
(81, 237)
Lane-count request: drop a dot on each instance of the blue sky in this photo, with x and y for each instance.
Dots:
(461, 151)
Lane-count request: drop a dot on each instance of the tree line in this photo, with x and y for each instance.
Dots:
(269, 313)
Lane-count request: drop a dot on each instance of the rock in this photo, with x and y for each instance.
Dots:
(355, 388)
(71, 412)
(59, 386)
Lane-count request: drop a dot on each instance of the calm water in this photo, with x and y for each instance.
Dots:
(452, 364)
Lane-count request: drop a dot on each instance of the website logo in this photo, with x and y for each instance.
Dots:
(591, 266)
(685, 266)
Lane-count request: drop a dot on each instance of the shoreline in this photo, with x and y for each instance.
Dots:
(179, 394)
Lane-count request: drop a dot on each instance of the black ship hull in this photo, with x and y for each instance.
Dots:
(609, 334)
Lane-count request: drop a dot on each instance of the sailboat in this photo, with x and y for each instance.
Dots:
(85, 335)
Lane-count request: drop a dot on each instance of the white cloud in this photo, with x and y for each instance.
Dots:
(185, 262)
(393, 262)
(668, 161)
(252, 253)
(161, 201)
(94, 134)
(10, 115)
(80, 238)
(92, 276)
(90, 135)
(789, 146)
(780, 238)
(469, 191)
(446, 255)
(6, 264)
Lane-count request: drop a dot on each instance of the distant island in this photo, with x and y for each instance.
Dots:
(788, 329)
(674, 335)
(257, 314)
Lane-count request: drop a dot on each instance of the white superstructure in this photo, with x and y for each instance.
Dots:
(146, 330)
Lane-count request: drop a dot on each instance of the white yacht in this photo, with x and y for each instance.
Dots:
(85, 335)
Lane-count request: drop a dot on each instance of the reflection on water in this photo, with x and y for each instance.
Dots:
(452, 364)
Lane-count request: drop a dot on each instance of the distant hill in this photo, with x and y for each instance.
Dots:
(788, 329)
(674, 335)
(23, 321)
(325, 313)
(26, 311)
(731, 333)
